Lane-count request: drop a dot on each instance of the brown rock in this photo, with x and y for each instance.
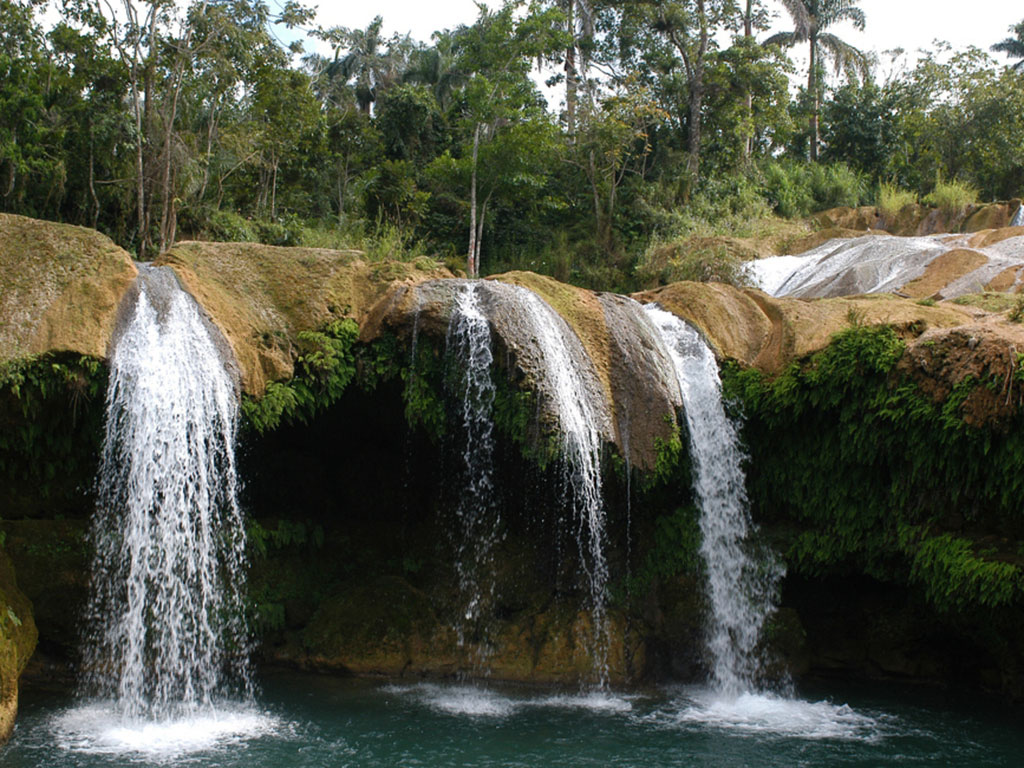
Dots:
(942, 271)
(60, 288)
(18, 637)
(261, 296)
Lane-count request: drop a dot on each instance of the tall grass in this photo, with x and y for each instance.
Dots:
(891, 200)
(951, 197)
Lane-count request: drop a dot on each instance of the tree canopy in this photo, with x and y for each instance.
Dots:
(155, 121)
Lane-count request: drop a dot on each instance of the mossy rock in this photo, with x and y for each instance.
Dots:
(18, 637)
(859, 219)
(262, 296)
(766, 333)
(60, 288)
(991, 216)
(53, 564)
(386, 627)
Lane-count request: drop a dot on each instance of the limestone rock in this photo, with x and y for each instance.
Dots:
(60, 288)
(261, 296)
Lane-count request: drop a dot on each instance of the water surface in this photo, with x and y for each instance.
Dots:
(308, 720)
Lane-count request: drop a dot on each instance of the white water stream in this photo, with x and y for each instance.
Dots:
(166, 649)
(469, 350)
(741, 588)
(878, 264)
(578, 418)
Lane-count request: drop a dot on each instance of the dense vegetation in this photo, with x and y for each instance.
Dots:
(848, 449)
(163, 121)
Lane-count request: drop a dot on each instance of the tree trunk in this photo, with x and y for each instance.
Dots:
(343, 190)
(471, 257)
(480, 234)
(140, 177)
(812, 86)
(596, 192)
(273, 187)
(748, 32)
(570, 72)
(696, 101)
(166, 198)
(210, 128)
(92, 178)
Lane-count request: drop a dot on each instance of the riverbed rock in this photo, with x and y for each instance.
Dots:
(389, 628)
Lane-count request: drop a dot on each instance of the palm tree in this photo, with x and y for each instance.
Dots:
(1013, 46)
(437, 68)
(810, 20)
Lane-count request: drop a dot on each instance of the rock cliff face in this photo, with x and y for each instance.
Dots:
(374, 595)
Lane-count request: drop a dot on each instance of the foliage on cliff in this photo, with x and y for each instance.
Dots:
(51, 424)
(856, 470)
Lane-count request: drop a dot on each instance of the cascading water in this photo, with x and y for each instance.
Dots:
(884, 263)
(469, 351)
(1018, 217)
(741, 589)
(166, 636)
(581, 442)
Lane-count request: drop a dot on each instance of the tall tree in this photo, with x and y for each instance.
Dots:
(499, 50)
(752, 14)
(364, 57)
(677, 44)
(1013, 46)
(579, 24)
(810, 20)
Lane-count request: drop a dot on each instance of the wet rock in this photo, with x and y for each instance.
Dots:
(17, 642)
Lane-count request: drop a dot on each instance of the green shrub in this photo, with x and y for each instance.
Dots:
(1016, 313)
(702, 260)
(836, 185)
(392, 242)
(891, 200)
(285, 230)
(795, 188)
(224, 226)
(951, 197)
(339, 236)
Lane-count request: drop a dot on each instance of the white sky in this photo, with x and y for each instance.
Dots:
(908, 24)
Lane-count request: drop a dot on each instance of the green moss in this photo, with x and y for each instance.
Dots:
(674, 549)
(989, 301)
(848, 455)
(423, 393)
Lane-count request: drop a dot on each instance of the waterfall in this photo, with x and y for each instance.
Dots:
(741, 588)
(1018, 217)
(581, 441)
(165, 634)
(469, 354)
